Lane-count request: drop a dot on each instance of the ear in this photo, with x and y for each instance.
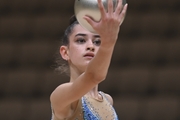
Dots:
(64, 52)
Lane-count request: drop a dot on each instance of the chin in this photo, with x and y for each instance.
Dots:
(87, 62)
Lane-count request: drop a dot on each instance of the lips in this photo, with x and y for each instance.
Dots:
(91, 55)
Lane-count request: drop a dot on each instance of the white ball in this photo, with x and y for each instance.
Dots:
(90, 8)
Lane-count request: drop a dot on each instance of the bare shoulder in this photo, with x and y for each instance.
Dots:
(60, 107)
(59, 91)
(110, 99)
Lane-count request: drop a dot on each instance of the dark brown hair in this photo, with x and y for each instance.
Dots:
(62, 65)
(72, 22)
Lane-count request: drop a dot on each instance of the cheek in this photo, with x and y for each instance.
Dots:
(75, 51)
(96, 49)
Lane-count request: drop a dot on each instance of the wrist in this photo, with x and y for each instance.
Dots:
(107, 46)
(108, 43)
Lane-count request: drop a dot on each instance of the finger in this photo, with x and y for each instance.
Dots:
(123, 13)
(119, 7)
(90, 21)
(101, 8)
(110, 6)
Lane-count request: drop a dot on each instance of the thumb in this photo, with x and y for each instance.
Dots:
(90, 21)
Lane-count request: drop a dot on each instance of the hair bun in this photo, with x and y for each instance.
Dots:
(72, 19)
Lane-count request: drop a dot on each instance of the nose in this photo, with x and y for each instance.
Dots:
(90, 46)
(90, 49)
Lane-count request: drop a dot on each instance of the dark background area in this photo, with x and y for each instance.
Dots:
(144, 76)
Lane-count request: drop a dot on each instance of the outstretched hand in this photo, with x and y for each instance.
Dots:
(109, 25)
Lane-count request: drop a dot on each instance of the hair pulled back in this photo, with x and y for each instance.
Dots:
(62, 65)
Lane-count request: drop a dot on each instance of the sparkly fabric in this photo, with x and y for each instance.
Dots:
(98, 110)
(88, 112)
(89, 108)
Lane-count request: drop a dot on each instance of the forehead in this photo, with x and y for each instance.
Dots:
(78, 29)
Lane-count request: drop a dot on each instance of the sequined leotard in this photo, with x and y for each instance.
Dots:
(92, 109)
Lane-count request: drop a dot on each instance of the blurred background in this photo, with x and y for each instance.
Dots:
(144, 76)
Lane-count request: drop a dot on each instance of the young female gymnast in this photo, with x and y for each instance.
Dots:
(88, 56)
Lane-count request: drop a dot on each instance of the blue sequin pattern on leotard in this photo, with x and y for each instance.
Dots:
(90, 114)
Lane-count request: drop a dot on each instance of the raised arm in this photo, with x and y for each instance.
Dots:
(108, 29)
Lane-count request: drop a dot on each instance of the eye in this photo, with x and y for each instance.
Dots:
(97, 42)
(80, 40)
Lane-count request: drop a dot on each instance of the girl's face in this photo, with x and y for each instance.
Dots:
(83, 46)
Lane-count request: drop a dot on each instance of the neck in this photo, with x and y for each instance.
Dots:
(74, 74)
(94, 92)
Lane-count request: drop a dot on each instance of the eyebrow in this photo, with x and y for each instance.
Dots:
(81, 34)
